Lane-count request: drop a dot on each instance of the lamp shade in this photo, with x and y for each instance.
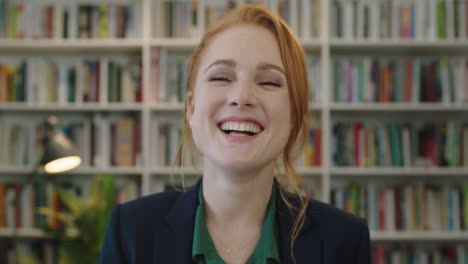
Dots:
(59, 153)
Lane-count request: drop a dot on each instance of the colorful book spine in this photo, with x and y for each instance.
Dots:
(396, 19)
(411, 207)
(406, 79)
(395, 144)
(68, 20)
(406, 253)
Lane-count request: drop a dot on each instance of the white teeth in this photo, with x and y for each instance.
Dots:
(241, 127)
(238, 135)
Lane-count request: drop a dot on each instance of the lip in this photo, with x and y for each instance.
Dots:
(241, 119)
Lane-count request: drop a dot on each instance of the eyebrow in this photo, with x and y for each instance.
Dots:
(229, 63)
(262, 66)
(268, 66)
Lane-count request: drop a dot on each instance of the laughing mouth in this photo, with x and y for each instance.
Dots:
(235, 128)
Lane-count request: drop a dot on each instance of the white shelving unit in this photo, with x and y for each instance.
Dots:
(23, 233)
(324, 47)
(420, 236)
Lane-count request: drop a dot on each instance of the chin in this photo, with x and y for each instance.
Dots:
(244, 165)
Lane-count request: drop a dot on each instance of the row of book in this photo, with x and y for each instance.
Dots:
(400, 144)
(115, 141)
(169, 76)
(406, 207)
(302, 16)
(314, 78)
(21, 142)
(397, 19)
(444, 254)
(69, 20)
(181, 19)
(165, 135)
(106, 141)
(70, 80)
(173, 79)
(19, 203)
(312, 154)
(409, 80)
(175, 19)
(28, 251)
(15, 142)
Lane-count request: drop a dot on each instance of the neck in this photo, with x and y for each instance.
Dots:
(236, 201)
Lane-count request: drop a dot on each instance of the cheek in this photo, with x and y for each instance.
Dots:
(207, 100)
(205, 106)
(281, 117)
(281, 108)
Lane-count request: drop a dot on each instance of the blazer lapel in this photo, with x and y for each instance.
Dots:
(174, 242)
(308, 247)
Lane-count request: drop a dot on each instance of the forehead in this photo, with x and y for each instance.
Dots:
(245, 44)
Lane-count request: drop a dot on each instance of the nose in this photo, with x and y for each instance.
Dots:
(242, 95)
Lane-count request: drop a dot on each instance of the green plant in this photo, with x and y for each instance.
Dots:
(85, 221)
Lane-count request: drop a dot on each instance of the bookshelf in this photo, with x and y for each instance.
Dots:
(153, 44)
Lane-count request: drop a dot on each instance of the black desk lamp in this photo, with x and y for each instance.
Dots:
(59, 153)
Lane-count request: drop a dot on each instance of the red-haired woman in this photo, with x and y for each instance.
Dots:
(246, 108)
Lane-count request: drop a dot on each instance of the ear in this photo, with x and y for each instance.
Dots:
(189, 107)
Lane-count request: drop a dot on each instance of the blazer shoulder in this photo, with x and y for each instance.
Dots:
(329, 213)
(332, 223)
(149, 209)
(347, 234)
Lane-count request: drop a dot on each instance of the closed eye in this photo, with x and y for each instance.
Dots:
(219, 79)
(271, 84)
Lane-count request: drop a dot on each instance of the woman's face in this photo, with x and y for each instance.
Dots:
(240, 111)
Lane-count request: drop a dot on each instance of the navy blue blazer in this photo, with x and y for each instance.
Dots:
(158, 229)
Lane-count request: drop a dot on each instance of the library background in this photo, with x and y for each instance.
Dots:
(388, 97)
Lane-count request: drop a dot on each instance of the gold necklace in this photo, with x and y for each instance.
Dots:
(231, 255)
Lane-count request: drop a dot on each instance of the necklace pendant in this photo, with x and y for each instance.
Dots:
(232, 257)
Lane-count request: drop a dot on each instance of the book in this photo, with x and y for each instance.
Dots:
(405, 207)
(410, 80)
(405, 253)
(399, 19)
(399, 144)
(56, 20)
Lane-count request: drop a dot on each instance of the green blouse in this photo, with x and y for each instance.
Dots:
(266, 251)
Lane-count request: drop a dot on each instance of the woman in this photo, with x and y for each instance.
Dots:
(246, 108)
